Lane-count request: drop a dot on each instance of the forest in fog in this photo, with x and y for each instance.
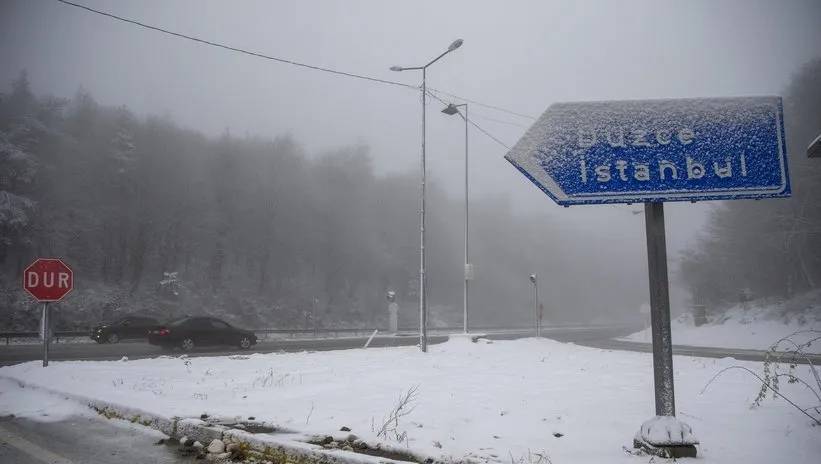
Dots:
(158, 219)
(163, 220)
(769, 248)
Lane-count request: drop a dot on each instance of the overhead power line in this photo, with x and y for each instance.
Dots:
(492, 137)
(235, 49)
(304, 65)
(500, 121)
(473, 123)
(497, 108)
(281, 60)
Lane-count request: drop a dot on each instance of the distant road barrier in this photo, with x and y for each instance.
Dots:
(292, 333)
(57, 335)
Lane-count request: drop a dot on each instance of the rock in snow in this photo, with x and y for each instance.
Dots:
(216, 447)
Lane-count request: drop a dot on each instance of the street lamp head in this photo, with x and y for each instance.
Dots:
(533, 278)
(396, 68)
(456, 44)
(451, 109)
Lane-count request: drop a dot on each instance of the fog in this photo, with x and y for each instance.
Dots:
(518, 55)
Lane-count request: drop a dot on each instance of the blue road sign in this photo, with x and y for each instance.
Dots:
(657, 150)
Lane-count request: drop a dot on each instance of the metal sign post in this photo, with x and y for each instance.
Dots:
(651, 152)
(46, 334)
(660, 309)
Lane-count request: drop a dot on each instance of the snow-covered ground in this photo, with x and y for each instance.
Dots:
(506, 401)
(757, 326)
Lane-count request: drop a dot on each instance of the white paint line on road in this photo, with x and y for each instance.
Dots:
(35, 451)
(368, 343)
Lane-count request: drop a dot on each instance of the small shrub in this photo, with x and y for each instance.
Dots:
(390, 423)
(774, 370)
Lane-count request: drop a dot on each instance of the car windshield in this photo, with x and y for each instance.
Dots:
(116, 321)
(178, 322)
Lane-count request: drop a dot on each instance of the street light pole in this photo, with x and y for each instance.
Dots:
(423, 298)
(452, 109)
(467, 261)
(423, 308)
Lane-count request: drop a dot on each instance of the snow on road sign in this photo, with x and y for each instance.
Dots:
(657, 150)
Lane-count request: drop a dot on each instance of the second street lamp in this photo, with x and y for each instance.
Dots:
(423, 309)
(451, 110)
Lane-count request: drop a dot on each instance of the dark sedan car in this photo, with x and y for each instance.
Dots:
(129, 327)
(188, 332)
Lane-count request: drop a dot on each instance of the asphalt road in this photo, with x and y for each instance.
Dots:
(698, 351)
(14, 354)
(81, 440)
(596, 337)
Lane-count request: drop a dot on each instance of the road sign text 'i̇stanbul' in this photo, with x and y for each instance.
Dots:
(657, 150)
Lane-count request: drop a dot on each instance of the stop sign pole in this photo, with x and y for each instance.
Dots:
(46, 333)
(47, 280)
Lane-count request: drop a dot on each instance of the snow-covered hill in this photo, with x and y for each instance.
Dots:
(756, 326)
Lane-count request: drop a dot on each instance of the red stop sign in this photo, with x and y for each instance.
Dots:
(48, 279)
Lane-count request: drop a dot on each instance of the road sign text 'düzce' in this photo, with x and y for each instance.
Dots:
(657, 150)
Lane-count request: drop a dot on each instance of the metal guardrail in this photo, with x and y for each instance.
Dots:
(292, 332)
(64, 334)
(336, 332)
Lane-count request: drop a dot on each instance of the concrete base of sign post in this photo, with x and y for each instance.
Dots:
(667, 437)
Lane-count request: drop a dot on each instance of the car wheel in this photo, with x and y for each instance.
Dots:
(113, 338)
(187, 344)
(244, 342)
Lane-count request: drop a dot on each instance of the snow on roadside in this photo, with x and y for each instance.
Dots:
(41, 406)
(495, 402)
(35, 404)
(756, 327)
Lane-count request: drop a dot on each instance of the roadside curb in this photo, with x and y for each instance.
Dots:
(285, 447)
